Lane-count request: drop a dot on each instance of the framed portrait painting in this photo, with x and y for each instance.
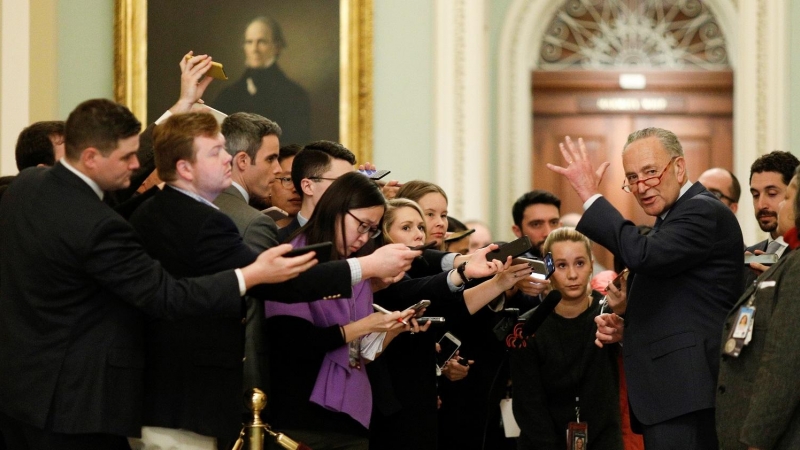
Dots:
(306, 64)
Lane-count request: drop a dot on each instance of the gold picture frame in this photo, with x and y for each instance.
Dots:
(355, 68)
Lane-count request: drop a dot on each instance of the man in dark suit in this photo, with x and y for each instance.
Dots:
(686, 276)
(193, 376)
(264, 88)
(75, 281)
(769, 176)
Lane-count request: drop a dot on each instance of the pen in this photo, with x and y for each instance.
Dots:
(380, 308)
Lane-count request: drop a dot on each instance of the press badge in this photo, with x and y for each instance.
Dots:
(577, 432)
(577, 436)
(742, 330)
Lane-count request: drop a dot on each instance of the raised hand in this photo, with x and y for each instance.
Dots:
(193, 82)
(511, 274)
(579, 171)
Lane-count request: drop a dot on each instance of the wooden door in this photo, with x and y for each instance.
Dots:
(697, 107)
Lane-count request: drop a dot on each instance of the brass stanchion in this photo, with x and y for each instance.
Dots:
(256, 400)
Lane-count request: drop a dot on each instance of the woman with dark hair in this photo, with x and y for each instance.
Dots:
(321, 394)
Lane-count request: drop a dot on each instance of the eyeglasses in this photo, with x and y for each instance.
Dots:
(721, 196)
(649, 182)
(364, 227)
(321, 178)
(286, 182)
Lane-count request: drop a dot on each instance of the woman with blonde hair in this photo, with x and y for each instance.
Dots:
(561, 376)
(433, 202)
(408, 379)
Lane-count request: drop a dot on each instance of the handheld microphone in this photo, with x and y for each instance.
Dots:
(534, 318)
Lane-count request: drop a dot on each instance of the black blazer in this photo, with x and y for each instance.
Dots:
(74, 282)
(194, 366)
(687, 276)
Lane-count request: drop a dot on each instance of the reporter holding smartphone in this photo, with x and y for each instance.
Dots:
(321, 394)
(408, 367)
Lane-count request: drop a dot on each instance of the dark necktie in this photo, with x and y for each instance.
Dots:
(658, 223)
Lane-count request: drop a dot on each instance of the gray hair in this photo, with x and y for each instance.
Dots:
(243, 132)
(666, 137)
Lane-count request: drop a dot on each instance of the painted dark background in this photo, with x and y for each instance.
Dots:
(311, 56)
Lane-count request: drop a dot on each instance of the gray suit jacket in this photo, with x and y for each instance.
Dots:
(260, 233)
(257, 230)
(758, 396)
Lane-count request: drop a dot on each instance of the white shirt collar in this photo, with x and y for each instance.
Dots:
(301, 220)
(242, 191)
(684, 189)
(193, 195)
(92, 184)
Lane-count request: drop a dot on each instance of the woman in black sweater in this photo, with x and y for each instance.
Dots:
(560, 369)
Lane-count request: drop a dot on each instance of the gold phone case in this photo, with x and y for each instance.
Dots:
(216, 70)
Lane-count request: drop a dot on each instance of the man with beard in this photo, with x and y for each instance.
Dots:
(769, 176)
(535, 215)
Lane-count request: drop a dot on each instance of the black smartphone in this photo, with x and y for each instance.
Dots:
(425, 319)
(430, 244)
(549, 264)
(323, 250)
(512, 249)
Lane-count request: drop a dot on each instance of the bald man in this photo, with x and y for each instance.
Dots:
(723, 185)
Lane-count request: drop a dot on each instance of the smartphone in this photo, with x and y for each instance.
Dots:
(420, 304)
(449, 345)
(375, 174)
(275, 213)
(617, 282)
(549, 264)
(215, 71)
(541, 269)
(764, 258)
(425, 319)
(381, 309)
(512, 249)
(431, 244)
(322, 249)
(538, 267)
